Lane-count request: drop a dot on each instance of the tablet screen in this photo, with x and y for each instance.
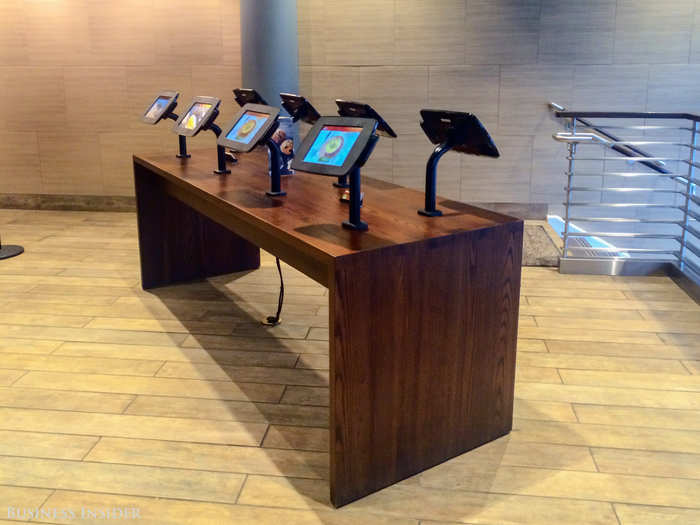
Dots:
(157, 107)
(332, 145)
(247, 126)
(194, 116)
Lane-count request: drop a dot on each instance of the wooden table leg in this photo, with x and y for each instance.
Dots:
(178, 244)
(422, 355)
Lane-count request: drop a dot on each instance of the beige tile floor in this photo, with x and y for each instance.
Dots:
(177, 403)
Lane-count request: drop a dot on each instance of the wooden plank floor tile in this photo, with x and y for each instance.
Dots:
(85, 365)
(213, 342)
(21, 498)
(660, 351)
(639, 417)
(600, 395)
(91, 335)
(569, 484)
(152, 386)
(647, 463)
(7, 377)
(273, 413)
(594, 335)
(547, 410)
(303, 395)
(218, 458)
(16, 397)
(610, 363)
(157, 482)
(680, 303)
(250, 374)
(27, 346)
(130, 426)
(297, 438)
(645, 515)
(656, 381)
(44, 445)
(607, 436)
(156, 511)
(484, 508)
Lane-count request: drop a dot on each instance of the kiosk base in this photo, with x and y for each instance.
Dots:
(10, 250)
(429, 213)
(360, 226)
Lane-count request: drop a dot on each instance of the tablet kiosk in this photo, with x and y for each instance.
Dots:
(455, 130)
(254, 124)
(299, 108)
(248, 96)
(348, 108)
(163, 107)
(338, 146)
(200, 115)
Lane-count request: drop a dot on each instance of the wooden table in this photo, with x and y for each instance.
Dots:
(423, 311)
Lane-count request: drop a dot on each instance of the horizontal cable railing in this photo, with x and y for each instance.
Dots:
(631, 199)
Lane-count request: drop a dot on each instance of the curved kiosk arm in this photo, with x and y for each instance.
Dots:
(451, 130)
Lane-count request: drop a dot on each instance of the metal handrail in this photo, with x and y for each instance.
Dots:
(655, 230)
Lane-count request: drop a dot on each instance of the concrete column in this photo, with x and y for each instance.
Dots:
(269, 47)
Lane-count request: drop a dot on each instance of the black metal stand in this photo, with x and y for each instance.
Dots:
(354, 222)
(9, 250)
(342, 182)
(183, 148)
(275, 176)
(430, 209)
(220, 151)
(221, 161)
(182, 140)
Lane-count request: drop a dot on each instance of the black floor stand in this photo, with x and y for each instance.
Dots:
(275, 176)
(430, 209)
(9, 250)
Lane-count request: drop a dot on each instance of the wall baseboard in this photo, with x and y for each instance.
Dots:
(24, 201)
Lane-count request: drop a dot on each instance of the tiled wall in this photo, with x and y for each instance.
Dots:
(502, 60)
(75, 76)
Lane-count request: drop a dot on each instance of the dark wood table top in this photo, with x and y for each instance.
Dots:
(311, 212)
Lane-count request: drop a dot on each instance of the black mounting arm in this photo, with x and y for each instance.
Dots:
(354, 221)
(182, 140)
(220, 150)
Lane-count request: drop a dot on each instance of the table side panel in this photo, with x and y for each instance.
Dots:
(423, 341)
(177, 243)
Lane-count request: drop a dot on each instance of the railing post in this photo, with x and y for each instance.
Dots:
(569, 176)
(688, 189)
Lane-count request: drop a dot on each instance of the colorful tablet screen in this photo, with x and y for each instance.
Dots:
(157, 107)
(247, 126)
(194, 116)
(332, 145)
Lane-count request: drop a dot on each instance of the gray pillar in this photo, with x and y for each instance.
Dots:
(269, 47)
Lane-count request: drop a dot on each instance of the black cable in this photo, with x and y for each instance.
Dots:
(274, 320)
